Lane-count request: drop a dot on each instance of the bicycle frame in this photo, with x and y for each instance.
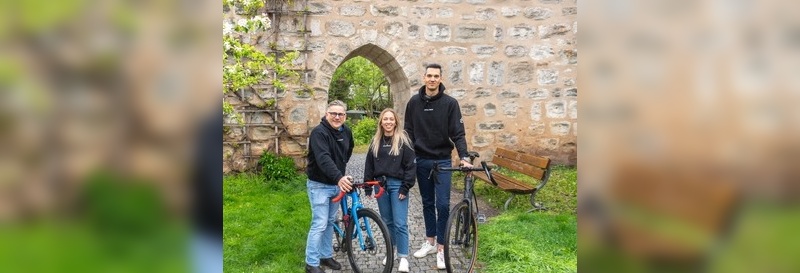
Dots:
(349, 209)
(463, 214)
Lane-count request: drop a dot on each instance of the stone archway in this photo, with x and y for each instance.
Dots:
(398, 80)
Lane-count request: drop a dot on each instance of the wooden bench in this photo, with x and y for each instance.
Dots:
(536, 167)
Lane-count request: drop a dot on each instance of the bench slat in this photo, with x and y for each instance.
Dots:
(519, 167)
(507, 184)
(538, 161)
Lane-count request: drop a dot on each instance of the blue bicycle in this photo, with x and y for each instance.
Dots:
(367, 229)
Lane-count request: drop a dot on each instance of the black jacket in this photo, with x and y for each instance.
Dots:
(329, 150)
(402, 166)
(435, 125)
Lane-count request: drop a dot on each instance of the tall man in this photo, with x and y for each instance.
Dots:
(329, 149)
(433, 121)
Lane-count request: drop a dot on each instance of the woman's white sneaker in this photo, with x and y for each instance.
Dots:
(426, 249)
(403, 267)
(440, 260)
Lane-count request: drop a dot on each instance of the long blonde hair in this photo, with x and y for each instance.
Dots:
(399, 138)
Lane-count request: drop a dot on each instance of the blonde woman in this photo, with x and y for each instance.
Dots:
(390, 159)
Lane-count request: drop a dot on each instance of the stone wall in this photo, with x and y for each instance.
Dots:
(511, 64)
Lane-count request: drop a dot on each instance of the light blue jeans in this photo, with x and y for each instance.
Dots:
(323, 211)
(394, 213)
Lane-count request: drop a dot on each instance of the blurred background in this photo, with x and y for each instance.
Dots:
(690, 136)
(102, 113)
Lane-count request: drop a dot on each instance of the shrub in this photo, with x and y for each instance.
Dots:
(275, 167)
(364, 130)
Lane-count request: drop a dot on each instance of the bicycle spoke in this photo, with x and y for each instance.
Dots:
(369, 244)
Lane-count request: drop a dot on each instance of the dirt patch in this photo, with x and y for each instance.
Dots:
(483, 207)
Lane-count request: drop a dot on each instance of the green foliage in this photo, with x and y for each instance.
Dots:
(244, 66)
(362, 85)
(364, 130)
(276, 168)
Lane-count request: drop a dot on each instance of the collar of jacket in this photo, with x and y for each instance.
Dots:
(438, 95)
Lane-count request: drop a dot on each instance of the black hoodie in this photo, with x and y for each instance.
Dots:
(402, 166)
(435, 125)
(329, 150)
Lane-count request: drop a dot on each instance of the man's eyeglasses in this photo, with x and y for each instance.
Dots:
(341, 115)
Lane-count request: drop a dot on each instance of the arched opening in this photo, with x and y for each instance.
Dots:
(399, 86)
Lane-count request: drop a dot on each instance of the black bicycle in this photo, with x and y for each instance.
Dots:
(461, 237)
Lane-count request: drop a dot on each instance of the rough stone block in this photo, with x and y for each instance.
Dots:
(537, 13)
(521, 32)
(469, 109)
(510, 109)
(553, 30)
(437, 33)
(338, 28)
(555, 109)
(489, 109)
(496, 71)
(485, 14)
(476, 72)
(559, 128)
(513, 51)
(482, 93)
(491, 126)
(573, 109)
(353, 10)
(509, 12)
(542, 52)
(384, 10)
(471, 32)
(547, 76)
(521, 72)
(482, 140)
(536, 111)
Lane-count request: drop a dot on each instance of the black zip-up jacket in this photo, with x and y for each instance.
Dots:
(400, 166)
(329, 150)
(435, 125)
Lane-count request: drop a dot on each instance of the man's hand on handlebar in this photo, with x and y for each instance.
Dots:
(345, 183)
(465, 163)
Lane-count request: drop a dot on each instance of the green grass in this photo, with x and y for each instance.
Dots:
(528, 242)
(265, 224)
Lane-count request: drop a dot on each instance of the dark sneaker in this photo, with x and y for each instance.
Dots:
(330, 263)
(314, 269)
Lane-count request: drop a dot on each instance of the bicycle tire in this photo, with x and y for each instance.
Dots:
(379, 245)
(461, 240)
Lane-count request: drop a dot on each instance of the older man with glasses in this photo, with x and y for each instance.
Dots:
(330, 146)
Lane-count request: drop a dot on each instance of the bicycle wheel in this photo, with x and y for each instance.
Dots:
(368, 257)
(461, 240)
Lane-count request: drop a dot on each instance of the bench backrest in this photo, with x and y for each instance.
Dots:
(535, 166)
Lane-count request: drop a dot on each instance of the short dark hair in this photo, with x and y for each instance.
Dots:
(434, 65)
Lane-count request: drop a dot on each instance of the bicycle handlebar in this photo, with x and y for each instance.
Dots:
(363, 184)
(484, 168)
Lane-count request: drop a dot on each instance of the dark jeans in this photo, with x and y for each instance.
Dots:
(435, 196)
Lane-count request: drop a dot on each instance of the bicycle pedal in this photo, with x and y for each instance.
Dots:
(481, 218)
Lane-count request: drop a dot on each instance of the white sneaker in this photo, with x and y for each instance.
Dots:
(403, 267)
(440, 260)
(426, 249)
(384, 260)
